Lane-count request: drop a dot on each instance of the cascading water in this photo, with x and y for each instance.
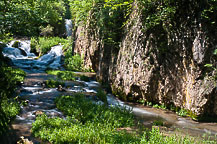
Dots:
(24, 59)
(68, 25)
(41, 100)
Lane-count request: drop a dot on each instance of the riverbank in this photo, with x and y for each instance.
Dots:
(41, 101)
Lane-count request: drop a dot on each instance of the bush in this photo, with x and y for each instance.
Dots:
(63, 75)
(46, 31)
(6, 37)
(66, 75)
(9, 79)
(74, 63)
(42, 45)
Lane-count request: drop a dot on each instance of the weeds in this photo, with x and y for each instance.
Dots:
(86, 123)
(67, 75)
(89, 123)
(53, 83)
(102, 96)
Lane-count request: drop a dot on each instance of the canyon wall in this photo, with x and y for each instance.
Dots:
(158, 65)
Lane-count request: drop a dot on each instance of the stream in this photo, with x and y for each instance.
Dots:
(41, 100)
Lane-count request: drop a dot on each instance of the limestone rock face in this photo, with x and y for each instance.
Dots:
(157, 66)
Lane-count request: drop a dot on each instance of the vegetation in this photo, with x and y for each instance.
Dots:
(102, 96)
(53, 83)
(179, 111)
(42, 45)
(74, 63)
(9, 107)
(24, 18)
(88, 122)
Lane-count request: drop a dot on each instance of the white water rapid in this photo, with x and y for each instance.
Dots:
(68, 25)
(41, 99)
(24, 59)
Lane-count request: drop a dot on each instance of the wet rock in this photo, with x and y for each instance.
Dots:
(61, 89)
(38, 113)
(24, 141)
(22, 52)
(15, 44)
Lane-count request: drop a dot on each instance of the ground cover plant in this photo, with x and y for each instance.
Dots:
(67, 75)
(87, 122)
(54, 83)
(63, 75)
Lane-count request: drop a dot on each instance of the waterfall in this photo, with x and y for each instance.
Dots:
(24, 59)
(68, 25)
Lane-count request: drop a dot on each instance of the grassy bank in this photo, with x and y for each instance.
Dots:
(87, 122)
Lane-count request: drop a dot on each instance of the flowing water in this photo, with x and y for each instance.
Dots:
(68, 25)
(41, 100)
(22, 58)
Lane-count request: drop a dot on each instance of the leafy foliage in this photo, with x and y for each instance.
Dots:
(9, 108)
(42, 45)
(87, 122)
(25, 17)
(9, 79)
(74, 63)
(53, 83)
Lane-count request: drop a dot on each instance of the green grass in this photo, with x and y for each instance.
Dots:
(90, 123)
(63, 75)
(86, 123)
(67, 75)
(53, 83)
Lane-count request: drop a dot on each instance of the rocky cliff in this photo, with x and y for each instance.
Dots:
(162, 64)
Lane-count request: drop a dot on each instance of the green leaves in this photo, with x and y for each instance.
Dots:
(74, 63)
(86, 122)
(208, 65)
(80, 10)
(215, 52)
(25, 17)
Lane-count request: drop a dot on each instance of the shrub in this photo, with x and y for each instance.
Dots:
(9, 78)
(74, 63)
(66, 75)
(42, 45)
(63, 75)
(46, 31)
(6, 37)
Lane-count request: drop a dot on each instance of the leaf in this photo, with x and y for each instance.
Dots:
(215, 52)
(208, 65)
